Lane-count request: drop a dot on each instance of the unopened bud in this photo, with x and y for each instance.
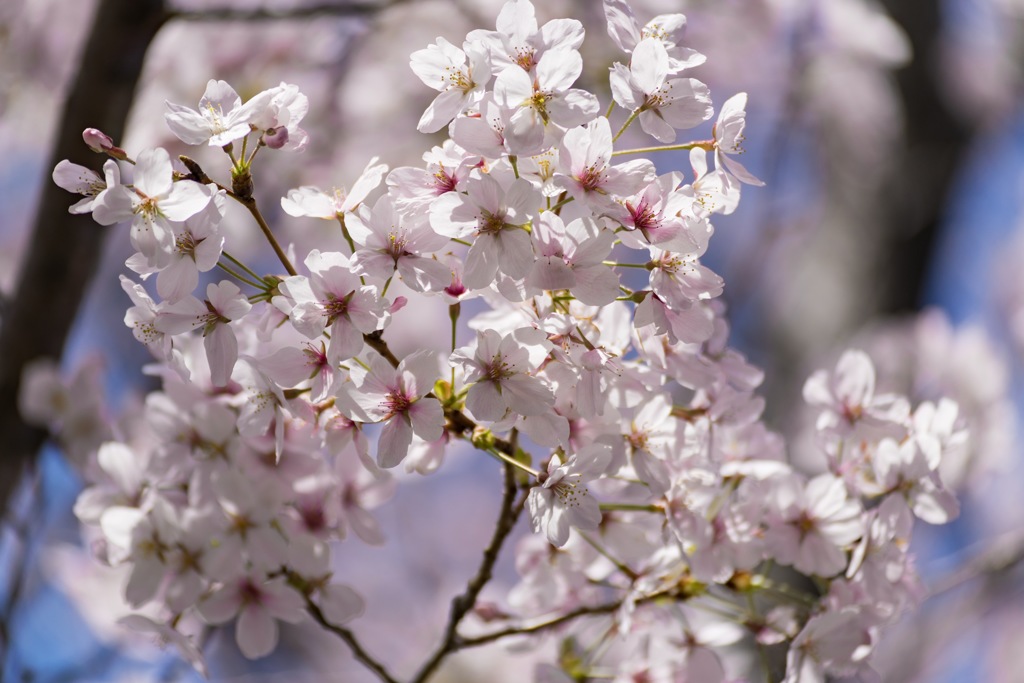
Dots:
(489, 611)
(97, 140)
(399, 304)
(276, 138)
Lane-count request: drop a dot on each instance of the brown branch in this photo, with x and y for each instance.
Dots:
(250, 204)
(350, 639)
(463, 603)
(64, 249)
(587, 610)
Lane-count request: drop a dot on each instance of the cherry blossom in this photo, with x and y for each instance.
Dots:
(662, 104)
(221, 118)
(562, 501)
(444, 67)
(85, 181)
(258, 605)
(155, 199)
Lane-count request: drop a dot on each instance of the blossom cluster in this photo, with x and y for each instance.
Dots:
(600, 375)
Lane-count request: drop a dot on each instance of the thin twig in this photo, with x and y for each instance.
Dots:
(462, 604)
(999, 557)
(587, 610)
(250, 204)
(361, 655)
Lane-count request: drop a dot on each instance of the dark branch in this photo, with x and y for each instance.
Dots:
(361, 655)
(591, 610)
(462, 604)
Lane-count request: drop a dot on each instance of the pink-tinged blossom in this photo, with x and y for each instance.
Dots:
(252, 507)
(499, 368)
(626, 32)
(122, 479)
(197, 248)
(848, 401)
(561, 500)
(711, 191)
(663, 104)
(258, 603)
(224, 303)
(728, 135)
(584, 163)
(483, 131)
(391, 241)
(649, 437)
(903, 470)
(361, 490)
(87, 182)
(543, 104)
(830, 643)
(447, 168)
(459, 76)
(659, 213)
(282, 107)
(263, 406)
(814, 524)
(496, 217)
(331, 297)
(144, 538)
(679, 279)
(154, 200)
(165, 634)
(141, 318)
(691, 323)
(315, 203)
(397, 397)
(221, 117)
(571, 257)
(937, 430)
(518, 42)
(290, 366)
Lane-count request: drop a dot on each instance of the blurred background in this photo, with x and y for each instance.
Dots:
(890, 136)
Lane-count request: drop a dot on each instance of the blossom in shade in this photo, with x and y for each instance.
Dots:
(258, 603)
(499, 367)
(561, 500)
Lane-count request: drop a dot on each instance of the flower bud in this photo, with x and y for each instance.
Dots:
(97, 140)
(276, 138)
(399, 304)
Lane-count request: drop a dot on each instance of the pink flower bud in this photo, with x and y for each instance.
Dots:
(489, 611)
(275, 138)
(97, 140)
(399, 304)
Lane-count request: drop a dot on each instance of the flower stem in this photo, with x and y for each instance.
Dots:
(622, 130)
(241, 278)
(250, 204)
(703, 144)
(512, 461)
(241, 265)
